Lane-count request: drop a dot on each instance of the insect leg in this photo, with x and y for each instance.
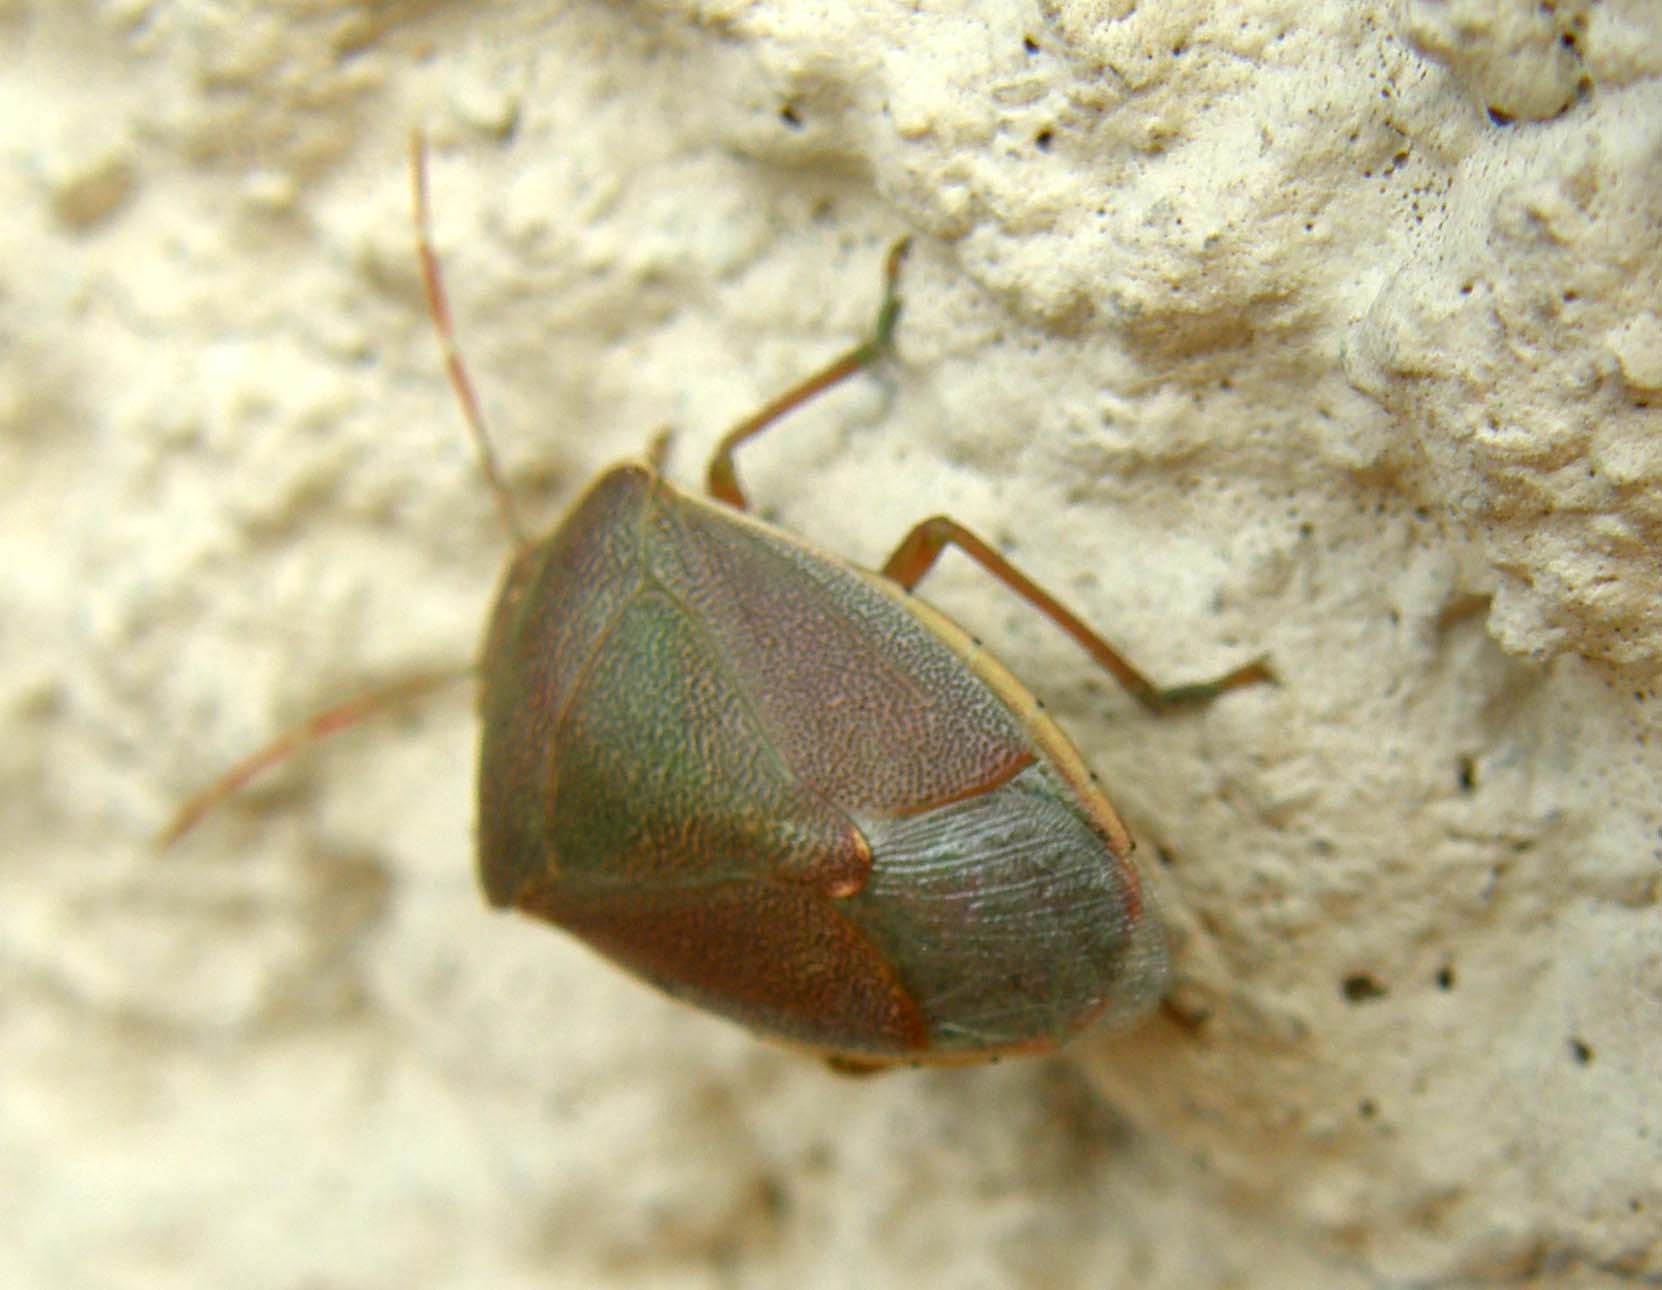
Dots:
(722, 479)
(920, 548)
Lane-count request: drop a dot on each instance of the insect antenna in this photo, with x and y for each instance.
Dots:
(313, 729)
(438, 305)
(373, 703)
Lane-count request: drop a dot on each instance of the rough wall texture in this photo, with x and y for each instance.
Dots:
(1331, 330)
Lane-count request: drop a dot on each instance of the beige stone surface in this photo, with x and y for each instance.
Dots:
(1328, 330)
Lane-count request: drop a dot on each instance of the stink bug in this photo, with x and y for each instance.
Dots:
(781, 787)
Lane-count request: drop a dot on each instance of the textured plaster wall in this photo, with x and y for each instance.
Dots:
(1329, 330)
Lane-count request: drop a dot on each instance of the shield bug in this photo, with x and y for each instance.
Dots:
(782, 787)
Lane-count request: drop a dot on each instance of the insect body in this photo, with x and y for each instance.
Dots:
(783, 788)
